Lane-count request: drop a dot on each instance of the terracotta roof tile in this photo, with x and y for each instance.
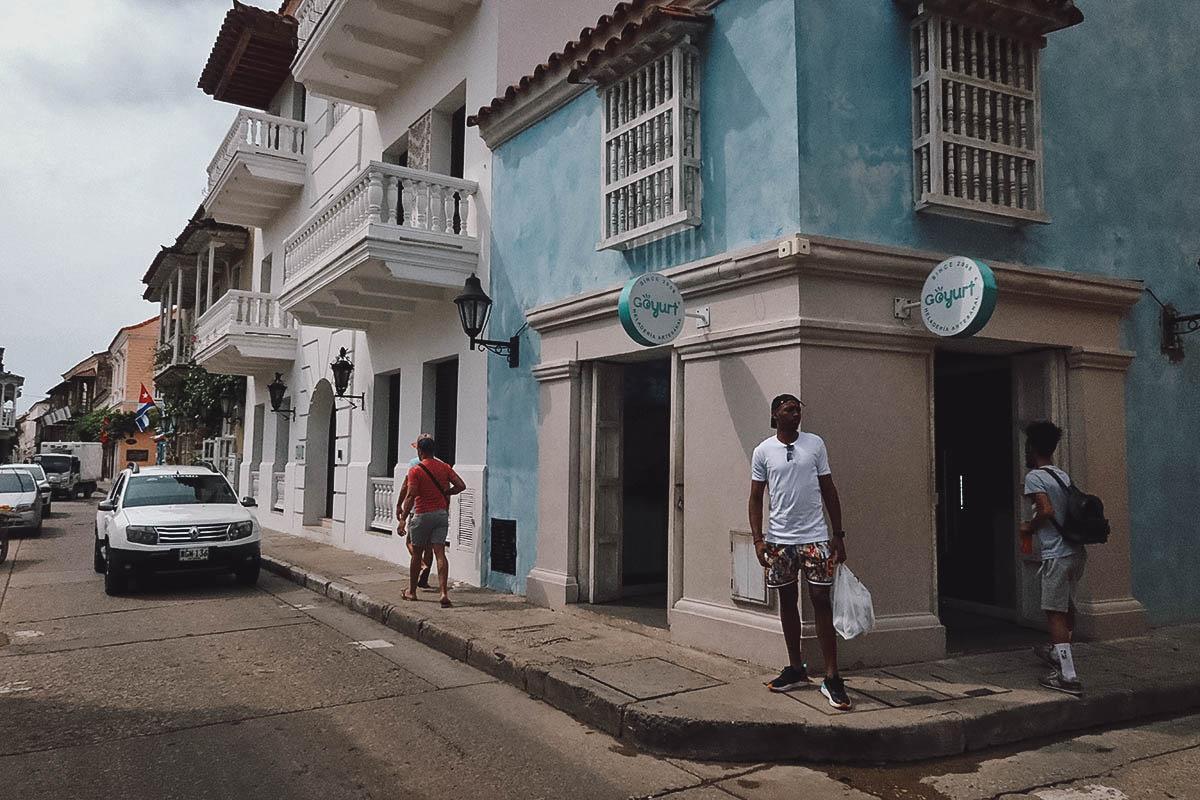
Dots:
(622, 23)
(251, 57)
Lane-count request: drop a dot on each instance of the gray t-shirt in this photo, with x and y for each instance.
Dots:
(1050, 541)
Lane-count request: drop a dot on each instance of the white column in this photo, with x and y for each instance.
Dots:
(196, 301)
(162, 317)
(212, 248)
(178, 313)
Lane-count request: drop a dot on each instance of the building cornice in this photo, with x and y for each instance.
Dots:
(903, 268)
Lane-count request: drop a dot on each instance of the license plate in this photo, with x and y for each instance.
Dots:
(193, 554)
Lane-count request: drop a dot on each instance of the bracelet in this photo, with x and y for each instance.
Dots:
(840, 534)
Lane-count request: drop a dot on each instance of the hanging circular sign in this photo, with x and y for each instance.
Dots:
(651, 309)
(959, 297)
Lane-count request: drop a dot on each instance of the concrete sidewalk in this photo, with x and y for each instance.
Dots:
(634, 684)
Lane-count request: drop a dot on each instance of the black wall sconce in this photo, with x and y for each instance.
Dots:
(474, 307)
(1173, 325)
(276, 388)
(342, 367)
(228, 406)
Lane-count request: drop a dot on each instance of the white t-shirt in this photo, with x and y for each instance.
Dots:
(797, 514)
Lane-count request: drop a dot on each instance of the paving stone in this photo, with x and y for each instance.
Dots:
(650, 677)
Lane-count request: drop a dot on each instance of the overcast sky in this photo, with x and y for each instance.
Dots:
(104, 143)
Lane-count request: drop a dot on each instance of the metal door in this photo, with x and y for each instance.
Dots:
(607, 484)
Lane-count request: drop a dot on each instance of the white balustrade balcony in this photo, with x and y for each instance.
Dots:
(258, 169)
(277, 489)
(356, 51)
(245, 333)
(8, 419)
(383, 506)
(392, 238)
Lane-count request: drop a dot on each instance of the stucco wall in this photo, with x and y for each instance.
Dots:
(546, 222)
(1122, 163)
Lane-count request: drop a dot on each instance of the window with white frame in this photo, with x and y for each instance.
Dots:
(977, 144)
(651, 184)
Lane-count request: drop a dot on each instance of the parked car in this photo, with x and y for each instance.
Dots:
(19, 499)
(169, 518)
(43, 483)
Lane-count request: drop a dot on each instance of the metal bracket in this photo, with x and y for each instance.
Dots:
(700, 315)
(794, 245)
(902, 307)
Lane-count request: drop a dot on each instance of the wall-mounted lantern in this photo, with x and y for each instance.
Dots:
(342, 367)
(1173, 325)
(276, 388)
(474, 307)
(229, 405)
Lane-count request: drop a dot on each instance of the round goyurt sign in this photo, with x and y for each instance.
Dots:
(958, 297)
(651, 309)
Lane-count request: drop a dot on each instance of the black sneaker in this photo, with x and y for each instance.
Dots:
(834, 690)
(1045, 653)
(1056, 681)
(790, 678)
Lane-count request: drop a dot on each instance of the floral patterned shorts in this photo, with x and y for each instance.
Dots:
(787, 561)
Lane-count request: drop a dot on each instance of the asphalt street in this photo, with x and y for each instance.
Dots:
(193, 687)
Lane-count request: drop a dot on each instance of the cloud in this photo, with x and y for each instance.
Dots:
(106, 142)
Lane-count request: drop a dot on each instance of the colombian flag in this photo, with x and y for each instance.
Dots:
(145, 403)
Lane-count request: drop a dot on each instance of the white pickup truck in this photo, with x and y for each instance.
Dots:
(71, 467)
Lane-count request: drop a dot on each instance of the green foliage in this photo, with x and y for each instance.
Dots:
(88, 427)
(193, 397)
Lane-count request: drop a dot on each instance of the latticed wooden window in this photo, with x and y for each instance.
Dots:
(652, 150)
(977, 147)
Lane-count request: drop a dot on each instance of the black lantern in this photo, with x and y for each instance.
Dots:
(342, 367)
(474, 308)
(228, 404)
(276, 388)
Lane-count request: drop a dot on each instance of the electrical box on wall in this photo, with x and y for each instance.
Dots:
(747, 579)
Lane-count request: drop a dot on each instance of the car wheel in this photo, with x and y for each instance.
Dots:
(3, 543)
(248, 575)
(97, 555)
(114, 582)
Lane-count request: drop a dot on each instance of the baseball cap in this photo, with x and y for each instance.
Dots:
(780, 400)
(421, 436)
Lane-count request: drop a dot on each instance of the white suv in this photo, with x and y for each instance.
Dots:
(174, 518)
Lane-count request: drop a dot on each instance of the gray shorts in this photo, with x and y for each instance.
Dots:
(1060, 581)
(432, 527)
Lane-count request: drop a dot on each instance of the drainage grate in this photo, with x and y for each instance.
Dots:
(504, 546)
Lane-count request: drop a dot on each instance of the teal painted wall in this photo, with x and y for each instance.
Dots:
(1121, 127)
(546, 222)
(806, 126)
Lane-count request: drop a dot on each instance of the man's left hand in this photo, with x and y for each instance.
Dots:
(839, 549)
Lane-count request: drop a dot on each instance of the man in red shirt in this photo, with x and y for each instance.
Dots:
(430, 484)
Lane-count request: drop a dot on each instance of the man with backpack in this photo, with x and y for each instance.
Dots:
(1063, 559)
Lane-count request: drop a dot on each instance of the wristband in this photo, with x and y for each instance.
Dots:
(840, 534)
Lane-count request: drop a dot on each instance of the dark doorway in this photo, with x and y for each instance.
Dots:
(445, 409)
(975, 525)
(646, 453)
(330, 462)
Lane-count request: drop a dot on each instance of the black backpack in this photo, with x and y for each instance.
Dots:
(1085, 515)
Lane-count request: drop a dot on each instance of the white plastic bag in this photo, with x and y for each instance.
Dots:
(852, 610)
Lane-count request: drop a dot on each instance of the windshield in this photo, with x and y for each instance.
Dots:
(32, 469)
(52, 463)
(183, 490)
(13, 481)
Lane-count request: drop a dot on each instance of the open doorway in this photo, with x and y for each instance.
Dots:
(976, 477)
(630, 488)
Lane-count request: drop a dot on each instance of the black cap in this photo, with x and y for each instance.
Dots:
(780, 400)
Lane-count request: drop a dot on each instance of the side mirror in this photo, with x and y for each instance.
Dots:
(106, 505)
(249, 502)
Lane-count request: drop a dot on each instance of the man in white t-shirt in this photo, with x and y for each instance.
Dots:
(794, 467)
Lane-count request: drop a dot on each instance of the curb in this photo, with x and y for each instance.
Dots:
(887, 737)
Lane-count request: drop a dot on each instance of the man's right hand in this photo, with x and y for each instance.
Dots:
(760, 550)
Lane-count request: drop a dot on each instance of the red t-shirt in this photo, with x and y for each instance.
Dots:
(426, 496)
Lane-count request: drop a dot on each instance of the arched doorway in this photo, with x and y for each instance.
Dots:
(319, 454)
